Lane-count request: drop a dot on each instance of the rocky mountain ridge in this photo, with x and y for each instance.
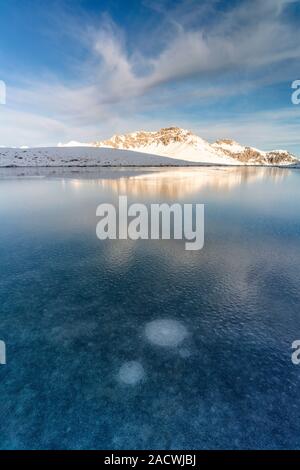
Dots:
(183, 144)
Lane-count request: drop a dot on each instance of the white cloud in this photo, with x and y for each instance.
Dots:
(267, 130)
(116, 88)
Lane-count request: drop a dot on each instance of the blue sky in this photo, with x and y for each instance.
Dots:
(86, 69)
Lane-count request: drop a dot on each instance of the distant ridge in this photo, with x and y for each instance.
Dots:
(182, 144)
(171, 146)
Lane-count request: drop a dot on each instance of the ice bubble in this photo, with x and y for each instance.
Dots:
(131, 373)
(185, 353)
(167, 333)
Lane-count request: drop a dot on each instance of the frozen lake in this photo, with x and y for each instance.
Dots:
(144, 345)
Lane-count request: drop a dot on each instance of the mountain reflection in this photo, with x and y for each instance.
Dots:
(180, 182)
(172, 183)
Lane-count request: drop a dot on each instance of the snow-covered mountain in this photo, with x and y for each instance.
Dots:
(170, 142)
(253, 156)
(167, 147)
(184, 145)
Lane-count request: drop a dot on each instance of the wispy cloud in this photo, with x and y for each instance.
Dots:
(249, 41)
(268, 130)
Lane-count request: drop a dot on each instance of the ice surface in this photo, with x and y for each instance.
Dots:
(75, 311)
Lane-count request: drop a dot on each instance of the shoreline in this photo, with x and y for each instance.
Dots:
(117, 171)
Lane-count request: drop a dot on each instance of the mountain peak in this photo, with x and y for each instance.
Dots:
(183, 144)
(141, 139)
(226, 142)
